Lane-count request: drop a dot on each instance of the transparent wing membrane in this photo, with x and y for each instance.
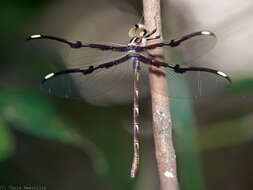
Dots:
(192, 46)
(86, 81)
(63, 86)
(192, 84)
(75, 85)
(195, 85)
(187, 85)
(114, 84)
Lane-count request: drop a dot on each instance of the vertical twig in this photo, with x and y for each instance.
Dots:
(162, 125)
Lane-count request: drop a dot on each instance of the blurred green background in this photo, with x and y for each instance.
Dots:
(58, 143)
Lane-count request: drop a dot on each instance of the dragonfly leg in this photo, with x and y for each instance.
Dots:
(154, 38)
(151, 33)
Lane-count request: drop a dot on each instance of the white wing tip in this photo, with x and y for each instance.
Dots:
(35, 36)
(222, 74)
(48, 76)
(208, 33)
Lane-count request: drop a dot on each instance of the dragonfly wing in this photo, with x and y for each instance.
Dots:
(89, 82)
(195, 84)
(186, 82)
(190, 47)
(98, 85)
(78, 44)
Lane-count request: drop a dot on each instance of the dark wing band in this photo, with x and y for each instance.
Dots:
(79, 44)
(179, 69)
(177, 42)
(87, 71)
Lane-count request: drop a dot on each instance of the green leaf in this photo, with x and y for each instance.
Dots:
(244, 85)
(7, 144)
(34, 114)
(227, 133)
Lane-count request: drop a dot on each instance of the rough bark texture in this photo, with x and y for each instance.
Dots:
(162, 125)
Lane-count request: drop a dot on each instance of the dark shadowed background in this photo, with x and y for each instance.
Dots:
(56, 143)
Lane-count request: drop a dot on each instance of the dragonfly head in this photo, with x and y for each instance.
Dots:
(137, 33)
(138, 30)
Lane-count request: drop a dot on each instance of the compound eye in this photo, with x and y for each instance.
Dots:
(132, 32)
(145, 32)
(136, 26)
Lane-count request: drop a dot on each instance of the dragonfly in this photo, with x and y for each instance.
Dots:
(137, 52)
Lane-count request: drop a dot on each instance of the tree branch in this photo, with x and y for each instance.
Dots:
(162, 125)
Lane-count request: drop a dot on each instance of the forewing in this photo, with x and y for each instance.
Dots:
(76, 85)
(190, 47)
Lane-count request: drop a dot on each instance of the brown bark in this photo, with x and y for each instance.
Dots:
(162, 125)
